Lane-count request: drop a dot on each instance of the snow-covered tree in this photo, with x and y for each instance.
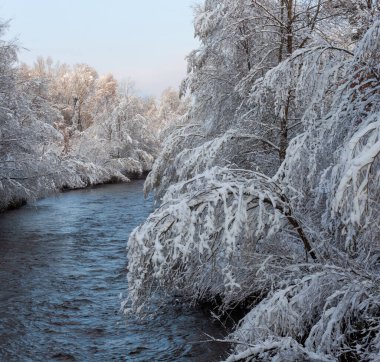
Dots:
(269, 185)
(23, 137)
(65, 127)
(124, 138)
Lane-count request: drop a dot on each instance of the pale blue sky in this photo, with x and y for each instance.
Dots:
(145, 40)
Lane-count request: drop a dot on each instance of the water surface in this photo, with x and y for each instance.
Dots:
(62, 271)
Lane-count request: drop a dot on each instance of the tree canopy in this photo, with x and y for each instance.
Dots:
(269, 185)
(67, 127)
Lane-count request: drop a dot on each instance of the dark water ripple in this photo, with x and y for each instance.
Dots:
(62, 271)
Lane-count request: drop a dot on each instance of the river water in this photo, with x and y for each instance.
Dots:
(62, 272)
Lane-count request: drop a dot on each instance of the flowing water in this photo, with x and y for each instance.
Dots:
(62, 271)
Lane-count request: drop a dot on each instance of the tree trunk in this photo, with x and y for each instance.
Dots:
(282, 31)
(289, 27)
(245, 45)
(284, 129)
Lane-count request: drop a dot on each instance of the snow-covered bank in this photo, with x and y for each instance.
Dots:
(16, 192)
(89, 175)
(66, 127)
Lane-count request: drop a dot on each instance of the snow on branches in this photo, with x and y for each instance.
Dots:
(205, 229)
(357, 180)
(64, 127)
(270, 186)
(333, 311)
(339, 155)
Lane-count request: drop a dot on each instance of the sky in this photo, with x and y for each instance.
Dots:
(145, 41)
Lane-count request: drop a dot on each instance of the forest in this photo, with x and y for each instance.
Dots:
(269, 185)
(67, 127)
(266, 170)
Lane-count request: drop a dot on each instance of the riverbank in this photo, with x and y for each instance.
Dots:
(77, 183)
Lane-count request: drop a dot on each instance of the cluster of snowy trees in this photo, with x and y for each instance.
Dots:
(270, 184)
(67, 127)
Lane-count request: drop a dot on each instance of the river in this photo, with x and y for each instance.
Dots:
(62, 274)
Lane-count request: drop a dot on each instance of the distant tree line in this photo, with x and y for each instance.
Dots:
(64, 127)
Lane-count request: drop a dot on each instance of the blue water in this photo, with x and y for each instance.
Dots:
(62, 271)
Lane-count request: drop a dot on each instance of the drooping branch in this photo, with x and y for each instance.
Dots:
(297, 227)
